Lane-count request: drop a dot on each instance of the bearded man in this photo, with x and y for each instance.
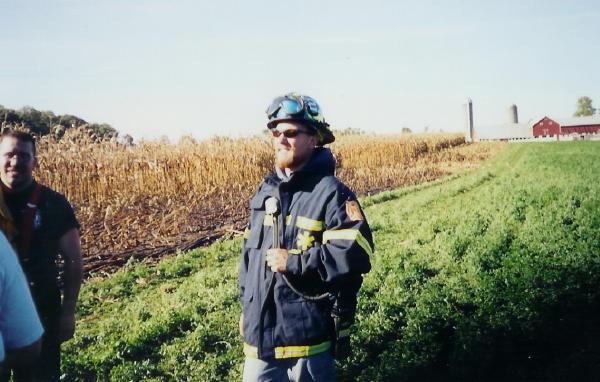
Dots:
(306, 248)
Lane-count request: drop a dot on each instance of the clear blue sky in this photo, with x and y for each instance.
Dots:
(152, 68)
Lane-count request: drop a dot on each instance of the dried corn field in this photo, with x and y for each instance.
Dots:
(150, 199)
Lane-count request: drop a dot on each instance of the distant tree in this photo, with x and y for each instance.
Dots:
(48, 118)
(187, 140)
(8, 115)
(584, 107)
(127, 139)
(70, 121)
(349, 131)
(103, 130)
(406, 130)
(33, 119)
(46, 122)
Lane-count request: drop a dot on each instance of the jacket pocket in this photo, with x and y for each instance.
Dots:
(246, 303)
(251, 319)
(301, 322)
(257, 219)
(254, 240)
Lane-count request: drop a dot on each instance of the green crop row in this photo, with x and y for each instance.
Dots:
(173, 321)
(493, 275)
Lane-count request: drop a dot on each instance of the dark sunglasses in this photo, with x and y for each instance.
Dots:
(291, 133)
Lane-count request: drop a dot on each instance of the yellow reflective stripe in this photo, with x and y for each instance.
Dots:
(301, 222)
(364, 243)
(290, 351)
(250, 351)
(309, 224)
(301, 351)
(246, 233)
(295, 251)
(268, 221)
(348, 234)
(344, 333)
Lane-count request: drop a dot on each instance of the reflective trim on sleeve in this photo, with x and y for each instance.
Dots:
(348, 234)
(295, 251)
(246, 233)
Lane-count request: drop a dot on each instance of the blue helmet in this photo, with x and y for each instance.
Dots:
(300, 108)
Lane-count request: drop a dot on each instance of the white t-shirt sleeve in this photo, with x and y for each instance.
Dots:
(19, 322)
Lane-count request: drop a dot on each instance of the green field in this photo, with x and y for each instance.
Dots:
(493, 275)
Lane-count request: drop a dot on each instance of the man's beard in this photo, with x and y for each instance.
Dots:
(284, 158)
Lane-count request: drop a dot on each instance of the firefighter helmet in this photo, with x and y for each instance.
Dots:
(300, 108)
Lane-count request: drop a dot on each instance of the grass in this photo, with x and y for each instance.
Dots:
(489, 275)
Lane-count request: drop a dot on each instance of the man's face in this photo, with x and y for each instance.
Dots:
(16, 163)
(294, 145)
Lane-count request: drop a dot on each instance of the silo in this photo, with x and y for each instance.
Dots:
(512, 114)
(469, 120)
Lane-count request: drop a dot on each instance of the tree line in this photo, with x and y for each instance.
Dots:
(584, 107)
(46, 122)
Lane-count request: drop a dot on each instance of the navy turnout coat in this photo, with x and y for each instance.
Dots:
(329, 243)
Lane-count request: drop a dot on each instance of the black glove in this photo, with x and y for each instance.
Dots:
(342, 319)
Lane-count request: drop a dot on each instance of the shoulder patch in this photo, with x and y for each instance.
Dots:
(353, 211)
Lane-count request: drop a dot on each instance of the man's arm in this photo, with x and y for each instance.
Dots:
(22, 358)
(70, 248)
(20, 326)
(343, 255)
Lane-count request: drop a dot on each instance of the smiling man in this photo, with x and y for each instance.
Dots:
(305, 251)
(46, 231)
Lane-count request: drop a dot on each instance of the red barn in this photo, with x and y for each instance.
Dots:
(548, 127)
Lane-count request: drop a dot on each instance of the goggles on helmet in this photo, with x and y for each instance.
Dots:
(301, 108)
(290, 105)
